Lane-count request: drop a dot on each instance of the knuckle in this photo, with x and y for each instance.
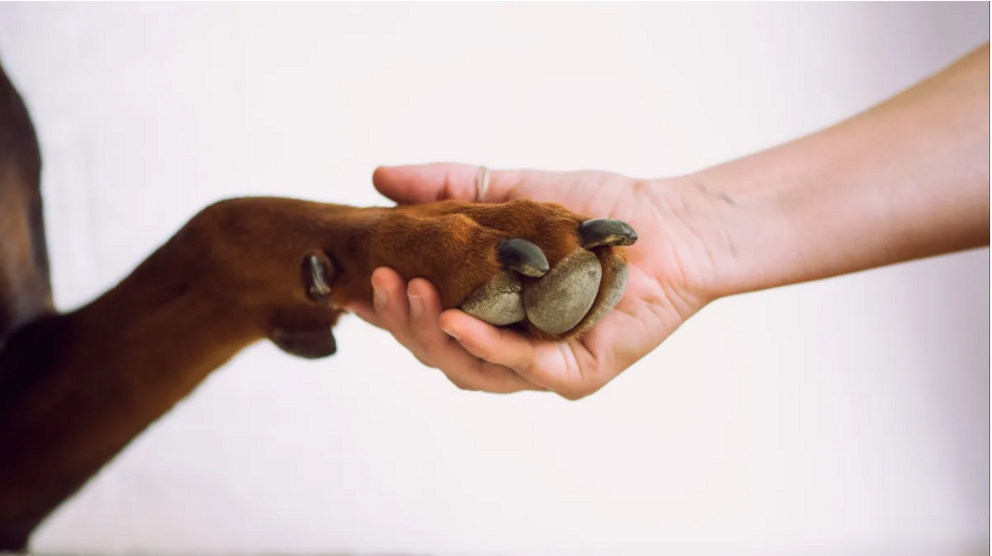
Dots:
(485, 353)
(576, 393)
(425, 361)
(413, 347)
(397, 324)
(463, 385)
(428, 356)
(421, 356)
(427, 343)
(523, 367)
(571, 396)
(400, 337)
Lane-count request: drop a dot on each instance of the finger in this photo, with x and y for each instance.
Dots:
(425, 307)
(392, 308)
(462, 368)
(539, 362)
(621, 338)
(365, 311)
(487, 377)
(436, 182)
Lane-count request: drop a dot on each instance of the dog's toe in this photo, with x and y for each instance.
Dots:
(561, 300)
(308, 344)
(558, 302)
(499, 302)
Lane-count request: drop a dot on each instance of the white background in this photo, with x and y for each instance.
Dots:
(845, 415)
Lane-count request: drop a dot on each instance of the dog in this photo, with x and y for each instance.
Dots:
(76, 388)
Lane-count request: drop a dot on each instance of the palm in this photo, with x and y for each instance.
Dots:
(663, 267)
(655, 302)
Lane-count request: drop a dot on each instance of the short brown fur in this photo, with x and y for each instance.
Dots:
(76, 388)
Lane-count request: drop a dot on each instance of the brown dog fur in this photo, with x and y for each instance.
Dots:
(76, 388)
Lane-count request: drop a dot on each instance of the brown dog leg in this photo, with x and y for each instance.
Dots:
(76, 388)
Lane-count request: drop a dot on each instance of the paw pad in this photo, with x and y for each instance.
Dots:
(583, 286)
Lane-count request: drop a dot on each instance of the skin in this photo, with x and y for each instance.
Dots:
(904, 180)
(77, 387)
(908, 179)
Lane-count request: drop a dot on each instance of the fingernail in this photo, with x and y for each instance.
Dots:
(452, 334)
(378, 297)
(416, 305)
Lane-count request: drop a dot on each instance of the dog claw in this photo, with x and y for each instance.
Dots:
(603, 231)
(309, 344)
(524, 257)
(315, 277)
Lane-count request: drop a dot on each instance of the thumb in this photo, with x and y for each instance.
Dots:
(438, 182)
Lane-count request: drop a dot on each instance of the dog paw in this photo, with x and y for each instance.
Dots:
(560, 299)
(534, 266)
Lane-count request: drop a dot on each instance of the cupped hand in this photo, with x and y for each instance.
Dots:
(670, 268)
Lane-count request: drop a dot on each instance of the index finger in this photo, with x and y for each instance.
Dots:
(548, 364)
(437, 182)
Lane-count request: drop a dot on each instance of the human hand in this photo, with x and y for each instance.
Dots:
(670, 274)
(905, 180)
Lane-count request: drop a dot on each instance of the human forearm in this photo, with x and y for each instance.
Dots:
(907, 179)
(904, 180)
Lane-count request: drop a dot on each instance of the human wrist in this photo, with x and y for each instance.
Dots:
(706, 230)
(753, 227)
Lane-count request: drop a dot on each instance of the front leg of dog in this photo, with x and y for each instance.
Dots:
(75, 389)
(308, 334)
